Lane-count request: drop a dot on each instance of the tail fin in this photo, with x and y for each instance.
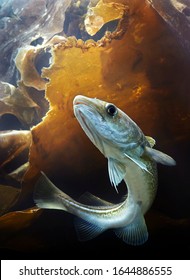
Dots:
(47, 195)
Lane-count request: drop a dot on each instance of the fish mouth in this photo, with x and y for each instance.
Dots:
(83, 109)
(80, 99)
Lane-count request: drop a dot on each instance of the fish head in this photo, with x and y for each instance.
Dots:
(108, 127)
(118, 137)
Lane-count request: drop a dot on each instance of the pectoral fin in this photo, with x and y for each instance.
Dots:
(135, 233)
(116, 171)
(85, 230)
(159, 156)
(139, 163)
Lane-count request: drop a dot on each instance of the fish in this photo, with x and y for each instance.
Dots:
(131, 158)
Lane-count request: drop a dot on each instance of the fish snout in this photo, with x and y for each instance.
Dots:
(80, 99)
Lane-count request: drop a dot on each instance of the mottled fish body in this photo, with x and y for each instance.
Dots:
(130, 158)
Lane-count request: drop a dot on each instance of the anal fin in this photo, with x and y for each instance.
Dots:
(90, 199)
(135, 233)
(85, 230)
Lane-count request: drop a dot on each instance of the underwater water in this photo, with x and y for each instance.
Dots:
(135, 54)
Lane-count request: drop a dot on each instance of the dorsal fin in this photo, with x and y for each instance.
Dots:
(85, 230)
(151, 141)
(135, 233)
(159, 156)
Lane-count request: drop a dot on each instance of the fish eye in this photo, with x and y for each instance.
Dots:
(111, 109)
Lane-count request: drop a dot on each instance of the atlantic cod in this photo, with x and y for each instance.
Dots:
(130, 158)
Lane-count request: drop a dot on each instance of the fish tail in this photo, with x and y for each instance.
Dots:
(47, 195)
